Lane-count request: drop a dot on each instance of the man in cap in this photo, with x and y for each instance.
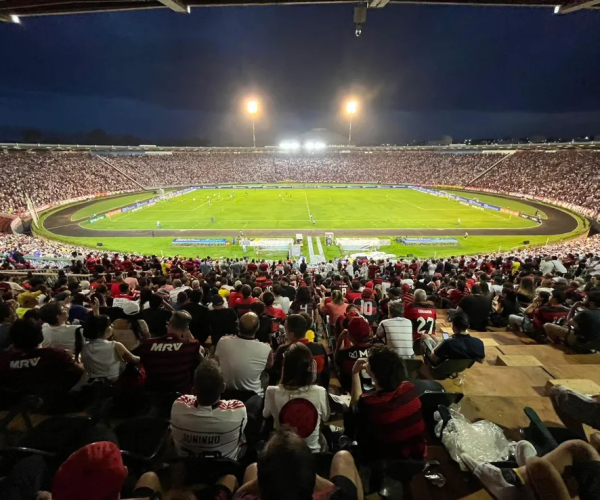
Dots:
(359, 334)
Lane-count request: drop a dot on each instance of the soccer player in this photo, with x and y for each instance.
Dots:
(194, 200)
(280, 196)
(314, 222)
(466, 235)
(422, 314)
(310, 216)
(157, 224)
(212, 219)
(458, 221)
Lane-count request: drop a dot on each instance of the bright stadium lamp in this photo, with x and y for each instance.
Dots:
(351, 107)
(252, 107)
(15, 19)
(294, 145)
(309, 145)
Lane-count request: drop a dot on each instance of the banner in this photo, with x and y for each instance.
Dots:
(430, 241)
(208, 242)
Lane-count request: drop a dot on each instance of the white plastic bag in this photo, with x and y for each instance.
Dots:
(483, 440)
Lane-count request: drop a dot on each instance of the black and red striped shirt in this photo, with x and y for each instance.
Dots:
(170, 363)
(391, 425)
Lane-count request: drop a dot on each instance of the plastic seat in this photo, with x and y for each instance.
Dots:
(450, 368)
(412, 366)
(142, 438)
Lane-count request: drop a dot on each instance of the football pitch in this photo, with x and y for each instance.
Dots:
(279, 212)
(303, 209)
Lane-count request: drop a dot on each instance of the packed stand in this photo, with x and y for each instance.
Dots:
(246, 350)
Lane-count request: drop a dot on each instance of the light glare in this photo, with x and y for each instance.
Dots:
(351, 107)
(15, 19)
(252, 107)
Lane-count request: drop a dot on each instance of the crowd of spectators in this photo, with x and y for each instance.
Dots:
(252, 371)
(50, 177)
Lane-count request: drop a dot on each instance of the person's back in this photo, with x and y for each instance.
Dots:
(28, 367)
(203, 423)
(199, 325)
(156, 317)
(222, 320)
(57, 333)
(389, 421)
(170, 360)
(243, 358)
(359, 333)
(421, 314)
(397, 331)
(477, 307)
(461, 345)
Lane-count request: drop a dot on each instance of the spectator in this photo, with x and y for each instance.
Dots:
(57, 333)
(296, 329)
(283, 301)
(389, 423)
(298, 381)
(199, 325)
(242, 306)
(29, 367)
(203, 422)
(157, 315)
(128, 327)
(582, 327)
(171, 360)
(335, 308)
(359, 333)
(221, 320)
(7, 318)
(477, 308)
(397, 331)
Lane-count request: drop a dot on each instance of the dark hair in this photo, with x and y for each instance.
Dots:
(308, 319)
(268, 299)
(123, 287)
(195, 296)
(155, 301)
(32, 314)
(182, 297)
(559, 296)
(208, 382)
(286, 468)
(476, 289)
(303, 295)
(132, 320)
(93, 328)
(257, 308)
(594, 298)
(26, 334)
(387, 367)
(145, 295)
(297, 367)
(50, 312)
(246, 291)
(296, 325)
(5, 312)
(460, 321)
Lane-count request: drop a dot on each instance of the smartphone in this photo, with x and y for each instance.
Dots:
(446, 336)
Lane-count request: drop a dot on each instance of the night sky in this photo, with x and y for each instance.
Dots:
(419, 72)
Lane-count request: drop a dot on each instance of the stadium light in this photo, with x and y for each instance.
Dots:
(252, 107)
(351, 107)
(15, 19)
(309, 145)
(289, 145)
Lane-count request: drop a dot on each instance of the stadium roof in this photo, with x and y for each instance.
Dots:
(13, 10)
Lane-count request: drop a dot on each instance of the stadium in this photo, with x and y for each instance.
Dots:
(311, 316)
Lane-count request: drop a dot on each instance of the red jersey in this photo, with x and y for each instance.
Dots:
(352, 296)
(233, 296)
(368, 308)
(423, 318)
(373, 269)
(277, 314)
(252, 267)
(242, 306)
(407, 298)
(170, 363)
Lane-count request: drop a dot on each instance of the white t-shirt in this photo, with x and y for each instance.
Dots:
(398, 335)
(175, 292)
(277, 396)
(59, 337)
(242, 362)
(284, 303)
(200, 429)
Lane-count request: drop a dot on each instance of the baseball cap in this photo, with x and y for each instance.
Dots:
(369, 284)
(367, 293)
(223, 292)
(406, 287)
(396, 291)
(129, 306)
(217, 300)
(94, 472)
(358, 329)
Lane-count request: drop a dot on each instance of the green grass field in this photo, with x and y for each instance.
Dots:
(332, 209)
(344, 211)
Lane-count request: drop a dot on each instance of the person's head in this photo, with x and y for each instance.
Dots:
(96, 469)
(26, 334)
(299, 369)
(309, 321)
(592, 300)
(195, 296)
(7, 314)
(182, 298)
(396, 309)
(246, 291)
(54, 313)
(295, 326)
(257, 308)
(527, 287)
(461, 286)
(97, 327)
(386, 368)
(476, 289)
(209, 383)
(543, 297)
(337, 298)
(277, 290)
(485, 288)
(217, 302)
(176, 283)
(286, 468)
(124, 289)
(249, 324)
(420, 296)
(303, 295)
(179, 323)
(460, 322)
(558, 297)
(155, 301)
(359, 330)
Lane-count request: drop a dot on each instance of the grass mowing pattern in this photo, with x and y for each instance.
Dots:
(110, 204)
(332, 209)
